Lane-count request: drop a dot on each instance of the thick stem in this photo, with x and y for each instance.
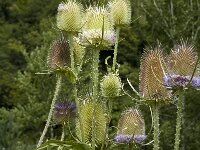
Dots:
(156, 126)
(62, 136)
(179, 120)
(57, 89)
(115, 49)
(74, 86)
(95, 75)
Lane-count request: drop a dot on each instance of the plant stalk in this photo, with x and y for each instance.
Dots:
(115, 49)
(74, 86)
(95, 75)
(57, 89)
(156, 126)
(62, 136)
(179, 119)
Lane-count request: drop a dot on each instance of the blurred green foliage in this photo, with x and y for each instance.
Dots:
(27, 29)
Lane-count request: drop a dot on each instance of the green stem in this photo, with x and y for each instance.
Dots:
(156, 126)
(57, 89)
(74, 86)
(179, 120)
(115, 49)
(62, 136)
(95, 75)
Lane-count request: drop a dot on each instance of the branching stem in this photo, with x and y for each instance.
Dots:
(115, 49)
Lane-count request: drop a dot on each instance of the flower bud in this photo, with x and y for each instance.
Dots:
(120, 11)
(111, 85)
(69, 17)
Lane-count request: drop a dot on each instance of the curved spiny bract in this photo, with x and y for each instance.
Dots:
(86, 115)
(59, 54)
(183, 59)
(152, 72)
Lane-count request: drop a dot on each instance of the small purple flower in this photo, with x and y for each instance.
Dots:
(176, 80)
(63, 111)
(139, 138)
(196, 82)
(126, 138)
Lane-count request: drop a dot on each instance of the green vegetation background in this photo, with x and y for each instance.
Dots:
(27, 28)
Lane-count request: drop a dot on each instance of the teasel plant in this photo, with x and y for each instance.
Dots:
(121, 13)
(70, 22)
(182, 74)
(58, 59)
(152, 90)
(131, 128)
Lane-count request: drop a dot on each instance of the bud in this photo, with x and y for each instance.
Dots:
(120, 11)
(152, 72)
(63, 111)
(98, 28)
(59, 54)
(131, 127)
(86, 114)
(69, 17)
(111, 85)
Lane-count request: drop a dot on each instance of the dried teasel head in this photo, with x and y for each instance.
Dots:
(59, 54)
(98, 28)
(69, 17)
(152, 72)
(111, 85)
(120, 11)
(86, 114)
(131, 127)
(183, 59)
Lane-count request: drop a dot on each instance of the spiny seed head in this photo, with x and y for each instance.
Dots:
(120, 11)
(63, 111)
(69, 17)
(111, 85)
(59, 54)
(182, 59)
(152, 71)
(79, 51)
(131, 127)
(86, 114)
(98, 28)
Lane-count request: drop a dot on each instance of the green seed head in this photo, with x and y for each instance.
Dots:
(111, 85)
(120, 11)
(86, 114)
(79, 51)
(69, 17)
(98, 28)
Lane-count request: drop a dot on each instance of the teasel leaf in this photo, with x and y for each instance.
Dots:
(152, 72)
(183, 60)
(59, 54)
(111, 85)
(120, 11)
(131, 122)
(69, 17)
(86, 115)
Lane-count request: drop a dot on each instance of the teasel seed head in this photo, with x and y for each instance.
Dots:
(111, 85)
(69, 17)
(63, 111)
(183, 59)
(86, 114)
(120, 11)
(152, 72)
(98, 28)
(59, 54)
(131, 127)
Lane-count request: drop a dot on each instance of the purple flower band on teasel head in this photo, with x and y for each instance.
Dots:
(196, 82)
(64, 110)
(176, 80)
(126, 138)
